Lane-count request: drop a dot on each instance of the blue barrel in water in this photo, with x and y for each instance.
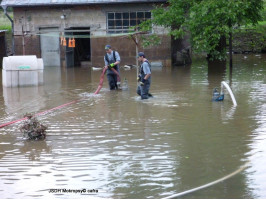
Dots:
(215, 95)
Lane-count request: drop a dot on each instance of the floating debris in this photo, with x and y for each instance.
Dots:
(96, 68)
(128, 67)
(125, 85)
(32, 129)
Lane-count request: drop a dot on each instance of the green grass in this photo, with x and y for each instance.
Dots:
(261, 28)
(5, 24)
(262, 23)
(7, 27)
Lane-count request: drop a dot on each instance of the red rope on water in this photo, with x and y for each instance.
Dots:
(66, 104)
(8, 123)
(58, 107)
(38, 114)
(102, 78)
(101, 81)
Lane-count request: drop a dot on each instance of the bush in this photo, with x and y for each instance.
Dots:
(249, 40)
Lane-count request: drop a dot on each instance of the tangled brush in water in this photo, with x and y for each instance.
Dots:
(32, 129)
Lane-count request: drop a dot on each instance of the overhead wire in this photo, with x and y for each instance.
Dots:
(67, 35)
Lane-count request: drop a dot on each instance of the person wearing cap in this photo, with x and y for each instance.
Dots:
(112, 60)
(144, 77)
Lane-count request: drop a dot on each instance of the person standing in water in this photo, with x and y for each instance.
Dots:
(144, 77)
(112, 60)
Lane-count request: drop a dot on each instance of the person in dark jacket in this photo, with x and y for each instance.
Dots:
(144, 77)
(112, 60)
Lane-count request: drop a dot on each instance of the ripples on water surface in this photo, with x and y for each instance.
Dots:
(127, 148)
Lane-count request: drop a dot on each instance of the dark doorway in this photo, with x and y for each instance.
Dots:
(2, 46)
(82, 51)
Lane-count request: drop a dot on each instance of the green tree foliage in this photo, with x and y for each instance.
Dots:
(207, 20)
(263, 13)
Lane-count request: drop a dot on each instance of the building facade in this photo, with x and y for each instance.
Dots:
(39, 28)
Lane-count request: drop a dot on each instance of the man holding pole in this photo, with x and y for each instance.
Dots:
(144, 77)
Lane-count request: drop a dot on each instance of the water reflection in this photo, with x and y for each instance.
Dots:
(216, 73)
(19, 98)
(227, 113)
(256, 173)
(34, 149)
(128, 148)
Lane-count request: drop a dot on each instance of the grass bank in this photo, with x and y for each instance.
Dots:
(5, 24)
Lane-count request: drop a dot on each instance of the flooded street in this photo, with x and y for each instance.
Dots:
(127, 148)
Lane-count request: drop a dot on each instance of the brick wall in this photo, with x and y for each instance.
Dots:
(31, 45)
(31, 19)
(127, 50)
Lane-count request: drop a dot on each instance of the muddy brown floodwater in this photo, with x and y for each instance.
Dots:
(117, 146)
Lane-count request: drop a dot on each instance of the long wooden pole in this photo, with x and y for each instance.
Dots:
(137, 52)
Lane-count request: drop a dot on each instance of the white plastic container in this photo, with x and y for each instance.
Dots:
(22, 71)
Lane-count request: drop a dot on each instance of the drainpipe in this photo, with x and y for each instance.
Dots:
(12, 25)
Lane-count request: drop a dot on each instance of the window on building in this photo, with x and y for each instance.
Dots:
(120, 22)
